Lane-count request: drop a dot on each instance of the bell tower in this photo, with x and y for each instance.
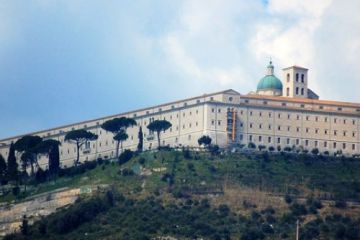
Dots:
(295, 82)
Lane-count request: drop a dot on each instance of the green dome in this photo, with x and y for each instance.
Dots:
(270, 82)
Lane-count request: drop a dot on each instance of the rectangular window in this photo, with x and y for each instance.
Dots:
(269, 139)
(260, 138)
(325, 144)
(353, 147)
(306, 142)
(278, 140)
(288, 141)
(250, 138)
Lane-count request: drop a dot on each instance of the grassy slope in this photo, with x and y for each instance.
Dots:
(276, 174)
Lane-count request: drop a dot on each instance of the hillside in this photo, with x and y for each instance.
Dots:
(186, 194)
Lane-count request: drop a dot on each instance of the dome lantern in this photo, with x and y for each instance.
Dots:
(270, 84)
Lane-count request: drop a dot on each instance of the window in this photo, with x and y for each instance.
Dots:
(297, 117)
(260, 126)
(265, 102)
(219, 122)
(279, 115)
(344, 145)
(339, 109)
(353, 134)
(269, 115)
(212, 122)
(335, 132)
(283, 104)
(260, 138)
(335, 120)
(321, 107)
(316, 130)
(250, 138)
(246, 101)
(269, 139)
(297, 77)
(230, 99)
(288, 77)
(353, 147)
(297, 91)
(288, 141)
(288, 128)
(302, 91)
(198, 101)
(325, 144)
(302, 105)
(344, 133)
(297, 141)
(298, 129)
(269, 126)
(219, 110)
(316, 143)
(279, 128)
(260, 114)
(251, 113)
(302, 78)
(211, 99)
(326, 131)
(307, 118)
(334, 144)
(326, 119)
(307, 130)
(288, 116)
(353, 121)
(278, 140)
(287, 91)
(306, 142)
(316, 119)
(251, 125)
(213, 110)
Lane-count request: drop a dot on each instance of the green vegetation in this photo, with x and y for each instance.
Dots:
(166, 193)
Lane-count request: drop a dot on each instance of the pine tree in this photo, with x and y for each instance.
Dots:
(2, 171)
(141, 140)
(12, 171)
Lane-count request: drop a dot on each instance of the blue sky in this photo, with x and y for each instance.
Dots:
(63, 61)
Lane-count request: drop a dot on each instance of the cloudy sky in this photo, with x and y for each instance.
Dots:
(63, 61)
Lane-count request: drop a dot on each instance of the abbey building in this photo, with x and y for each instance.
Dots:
(279, 114)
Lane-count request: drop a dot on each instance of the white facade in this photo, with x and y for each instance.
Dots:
(229, 118)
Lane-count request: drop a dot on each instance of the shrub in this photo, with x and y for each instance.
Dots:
(261, 147)
(340, 204)
(315, 151)
(142, 161)
(288, 199)
(251, 145)
(125, 156)
(271, 149)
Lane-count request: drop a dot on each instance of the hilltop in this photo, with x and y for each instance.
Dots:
(185, 194)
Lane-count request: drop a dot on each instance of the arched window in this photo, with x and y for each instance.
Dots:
(297, 91)
(288, 77)
(302, 91)
(297, 77)
(287, 91)
(302, 78)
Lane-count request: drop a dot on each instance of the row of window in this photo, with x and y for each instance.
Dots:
(307, 117)
(307, 130)
(284, 104)
(306, 142)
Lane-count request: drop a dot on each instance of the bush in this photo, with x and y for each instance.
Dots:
(125, 156)
(298, 209)
(271, 149)
(288, 199)
(142, 161)
(127, 172)
(340, 204)
(315, 151)
(251, 145)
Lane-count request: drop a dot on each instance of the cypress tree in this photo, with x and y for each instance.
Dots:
(141, 140)
(54, 160)
(13, 173)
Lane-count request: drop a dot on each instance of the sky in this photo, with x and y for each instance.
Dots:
(65, 61)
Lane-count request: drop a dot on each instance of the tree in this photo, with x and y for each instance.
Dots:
(27, 146)
(50, 147)
(120, 137)
(204, 140)
(3, 169)
(158, 126)
(117, 127)
(79, 137)
(12, 170)
(24, 226)
(141, 140)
